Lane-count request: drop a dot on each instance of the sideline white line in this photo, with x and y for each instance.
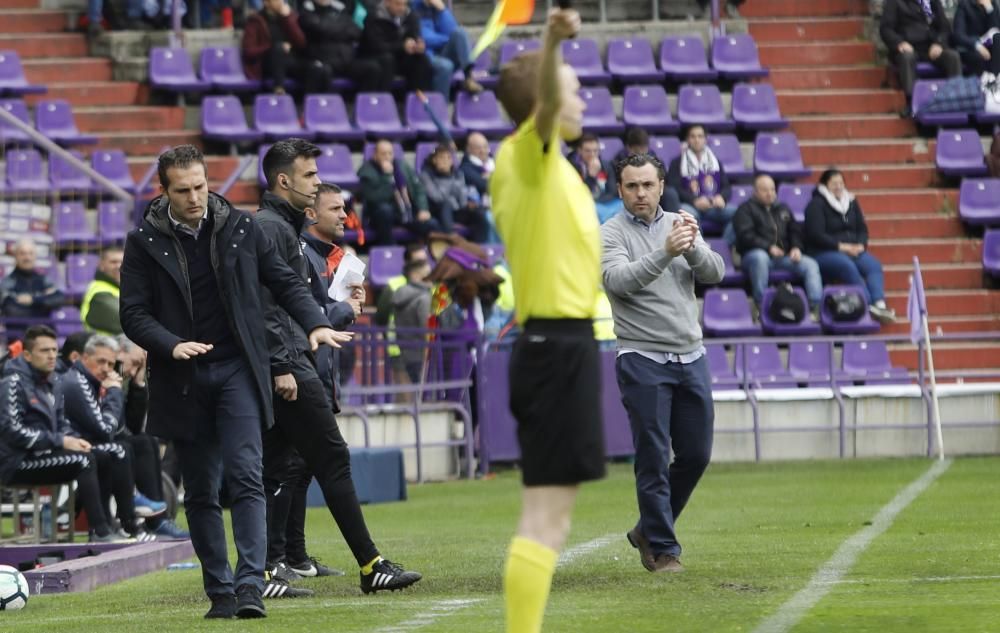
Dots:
(433, 613)
(874, 581)
(844, 558)
(575, 552)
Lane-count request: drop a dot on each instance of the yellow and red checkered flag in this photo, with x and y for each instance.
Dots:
(506, 12)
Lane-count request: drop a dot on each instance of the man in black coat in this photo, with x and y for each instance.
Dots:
(332, 36)
(304, 420)
(192, 283)
(392, 37)
(917, 30)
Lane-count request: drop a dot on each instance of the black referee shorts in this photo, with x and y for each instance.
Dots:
(555, 395)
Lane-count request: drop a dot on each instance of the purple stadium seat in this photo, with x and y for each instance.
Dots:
(66, 178)
(740, 194)
(80, 268)
(419, 120)
(727, 313)
(336, 166)
(647, 107)
(733, 276)
(683, 59)
(385, 262)
(66, 320)
(326, 117)
(810, 362)
(422, 150)
(666, 148)
(726, 148)
(869, 361)
(923, 92)
(735, 57)
(796, 197)
(261, 151)
(778, 155)
(69, 224)
(55, 120)
(223, 68)
(979, 201)
(585, 58)
(481, 113)
(630, 60)
(369, 151)
(928, 70)
(170, 69)
(960, 153)
(512, 48)
(222, 119)
(480, 71)
(610, 146)
(599, 115)
(376, 115)
(723, 376)
(865, 325)
(25, 173)
(805, 327)
(12, 79)
(755, 107)
(991, 253)
(112, 221)
(113, 165)
(763, 366)
(10, 135)
(276, 116)
(702, 103)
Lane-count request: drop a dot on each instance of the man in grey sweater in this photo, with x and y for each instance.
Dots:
(650, 264)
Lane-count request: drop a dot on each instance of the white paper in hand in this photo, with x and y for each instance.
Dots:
(350, 272)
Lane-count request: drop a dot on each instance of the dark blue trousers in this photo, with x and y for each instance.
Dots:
(228, 446)
(669, 408)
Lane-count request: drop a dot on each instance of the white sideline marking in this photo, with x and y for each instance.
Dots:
(873, 581)
(575, 552)
(436, 611)
(844, 558)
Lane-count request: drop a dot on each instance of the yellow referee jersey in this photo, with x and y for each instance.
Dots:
(548, 222)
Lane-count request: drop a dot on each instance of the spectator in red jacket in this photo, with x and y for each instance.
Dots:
(272, 44)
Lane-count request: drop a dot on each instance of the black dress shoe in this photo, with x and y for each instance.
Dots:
(249, 603)
(223, 606)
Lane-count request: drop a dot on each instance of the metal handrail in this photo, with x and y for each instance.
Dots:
(234, 176)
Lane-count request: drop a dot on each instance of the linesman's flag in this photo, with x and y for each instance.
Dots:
(506, 12)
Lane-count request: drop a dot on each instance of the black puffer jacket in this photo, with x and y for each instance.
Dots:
(757, 226)
(382, 35)
(31, 415)
(157, 314)
(331, 33)
(826, 229)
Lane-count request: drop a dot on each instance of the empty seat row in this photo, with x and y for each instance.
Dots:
(53, 118)
(25, 173)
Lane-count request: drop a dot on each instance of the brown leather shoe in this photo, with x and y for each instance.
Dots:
(639, 542)
(667, 563)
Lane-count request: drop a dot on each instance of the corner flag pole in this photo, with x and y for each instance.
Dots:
(917, 312)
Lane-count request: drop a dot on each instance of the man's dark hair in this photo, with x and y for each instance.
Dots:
(281, 156)
(75, 342)
(686, 130)
(636, 135)
(180, 157)
(111, 248)
(327, 187)
(587, 138)
(411, 266)
(828, 175)
(411, 248)
(36, 332)
(640, 160)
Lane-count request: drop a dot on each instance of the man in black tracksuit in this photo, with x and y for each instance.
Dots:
(304, 419)
(193, 279)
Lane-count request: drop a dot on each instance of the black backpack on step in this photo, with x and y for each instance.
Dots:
(786, 306)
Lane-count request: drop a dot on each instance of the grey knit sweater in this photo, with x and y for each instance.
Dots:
(652, 293)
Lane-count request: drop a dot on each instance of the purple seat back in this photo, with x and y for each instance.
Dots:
(480, 112)
(718, 362)
(512, 48)
(113, 165)
(275, 115)
(66, 320)
(979, 201)
(170, 66)
(80, 268)
(326, 114)
(647, 106)
(735, 55)
(740, 194)
(726, 148)
(991, 252)
(684, 56)
(25, 171)
(222, 115)
(585, 58)
(632, 58)
(778, 154)
(69, 222)
(112, 220)
(732, 274)
(11, 71)
(376, 112)
(960, 152)
(600, 109)
(796, 197)
(702, 103)
(384, 263)
(610, 146)
(727, 313)
(755, 106)
(222, 66)
(65, 177)
(54, 118)
(336, 166)
(494, 253)
(419, 119)
(870, 360)
(809, 359)
(666, 148)
(8, 133)
(924, 91)
(763, 359)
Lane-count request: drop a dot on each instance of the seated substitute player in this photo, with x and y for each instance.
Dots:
(547, 219)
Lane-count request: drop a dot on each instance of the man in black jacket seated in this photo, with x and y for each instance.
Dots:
(393, 39)
(332, 36)
(304, 420)
(192, 282)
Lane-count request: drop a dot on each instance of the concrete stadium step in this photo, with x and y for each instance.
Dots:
(837, 152)
(830, 101)
(930, 251)
(813, 8)
(67, 69)
(950, 302)
(834, 77)
(20, 4)
(798, 54)
(147, 143)
(807, 30)
(947, 324)
(46, 44)
(913, 226)
(964, 355)
(129, 118)
(33, 21)
(878, 201)
(857, 126)
(97, 93)
(967, 276)
(219, 167)
(886, 176)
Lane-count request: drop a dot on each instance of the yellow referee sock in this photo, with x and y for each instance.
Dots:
(526, 580)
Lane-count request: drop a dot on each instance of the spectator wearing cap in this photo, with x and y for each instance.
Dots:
(25, 292)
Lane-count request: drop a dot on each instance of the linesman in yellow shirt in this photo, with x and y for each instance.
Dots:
(546, 217)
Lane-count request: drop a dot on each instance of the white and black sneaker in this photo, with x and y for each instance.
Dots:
(275, 587)
(387, 575)
(283, 571)
(882, 314)
(312, 568)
